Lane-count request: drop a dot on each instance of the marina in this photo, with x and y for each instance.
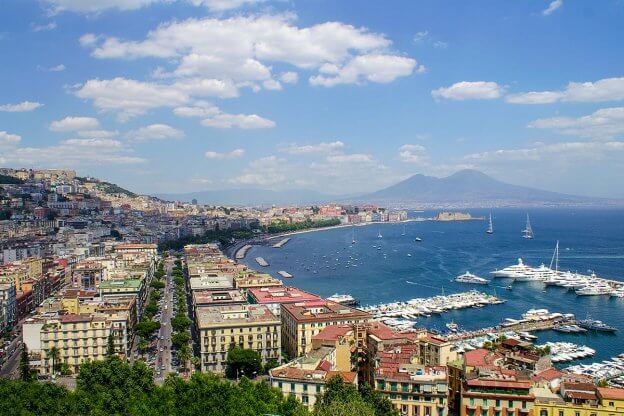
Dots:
(242, 252)
(261, 261)
(396, 268)
(285, 274)
(281, 243)
(566, 351)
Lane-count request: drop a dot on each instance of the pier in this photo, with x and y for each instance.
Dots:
(520, 326)
(281, 243)
(285, 274)
(242, 252)
(262, 262)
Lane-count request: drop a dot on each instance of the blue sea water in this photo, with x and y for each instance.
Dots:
(590, 240)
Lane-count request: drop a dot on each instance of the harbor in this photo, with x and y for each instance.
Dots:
(327, 263)
(242, 252)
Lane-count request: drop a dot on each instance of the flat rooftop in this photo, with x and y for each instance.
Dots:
(219, 282)
(281, 294)
(218, 297)
(323, 310)
(234, 315)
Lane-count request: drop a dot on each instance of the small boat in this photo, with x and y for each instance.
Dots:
(403, 233)
(418, 239)
(527, 233)
(490, 229)
(343, 299)
(509, 287)
(471, 278)
(379, 235)
(452, 326)
(409, 255)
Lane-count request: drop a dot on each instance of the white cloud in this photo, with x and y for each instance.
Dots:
(9, 139)
(554, 5)
(607, 89)
(243, 121)
(43, 27)
(72, 153)
(155, 132)
(606, 123)
(75, 124)
(88, 39)
(97, 134)
(374, 68)
(129, 97)
(229, 155)
(413, 153)
(20, 107)
(266, 171)
(557, 152)
(57, 68)
(350, 158)
(318, 148)
(469, 90)
(421, 36)
(289, 77)
(93, 6)
(238, 49)
(225, 5)
(199, 109)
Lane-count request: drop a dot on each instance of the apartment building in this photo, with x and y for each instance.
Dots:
(414, 389)
(303, 320)
(275, 296)
(221, 328)
(500, 395)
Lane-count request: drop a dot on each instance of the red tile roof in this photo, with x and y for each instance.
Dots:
(549, 374)
(611, 393)
(481, 358)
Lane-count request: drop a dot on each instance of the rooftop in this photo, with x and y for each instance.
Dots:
(234, 315)
(323, 310)
(121, 284)
(221, 297)
(281, 294)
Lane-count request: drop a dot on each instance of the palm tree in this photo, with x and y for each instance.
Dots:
(184, 355)
(53, 354)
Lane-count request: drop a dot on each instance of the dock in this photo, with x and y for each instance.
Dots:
(262, 262)
(281, 243)
(285, 274)
(242, 252)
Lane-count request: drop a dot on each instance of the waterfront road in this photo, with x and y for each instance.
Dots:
(163, 357)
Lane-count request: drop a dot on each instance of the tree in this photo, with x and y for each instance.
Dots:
(26, 373)
(184, 355)
(180, 323)
(65, 369)
(110, 349)
(340, 398)
(241, 361)
(380, 404)
(180, 339)
(157, 284)
(53, 354)
(146, 328)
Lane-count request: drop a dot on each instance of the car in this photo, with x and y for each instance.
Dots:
(161, 349)
(162, 367)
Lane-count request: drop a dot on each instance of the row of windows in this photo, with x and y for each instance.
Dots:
(272, 328)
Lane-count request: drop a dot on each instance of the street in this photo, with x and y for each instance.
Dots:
(163, 364)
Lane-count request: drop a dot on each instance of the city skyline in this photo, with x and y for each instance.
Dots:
(187, 95)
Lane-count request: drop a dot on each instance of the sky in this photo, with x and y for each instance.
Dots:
(340, 97)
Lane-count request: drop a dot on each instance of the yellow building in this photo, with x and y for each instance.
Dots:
(247, 326)
(580, 399)
(76, 338)
(301, 321)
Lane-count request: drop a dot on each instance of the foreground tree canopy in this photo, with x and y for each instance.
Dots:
(113, 387)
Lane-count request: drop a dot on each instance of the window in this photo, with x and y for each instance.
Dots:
(292, 386)
(543, 412)
(497, 403)
(561, 413)
(511, 403)
(472, 402)
(577, 413)
(318, 388)
(304, 399)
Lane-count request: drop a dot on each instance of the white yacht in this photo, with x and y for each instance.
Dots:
(594, 290)
(514, 271)
(343, 299)
(471, 278)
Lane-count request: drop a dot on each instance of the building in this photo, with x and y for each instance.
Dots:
(221, 328)
(125, 287)
(500, 396)
(414, 389)
(216, 282)
(77, 338)
(274, 297)
(248, 280)
(8, 305)
(578, 399)
(218, 297)
(303, 320)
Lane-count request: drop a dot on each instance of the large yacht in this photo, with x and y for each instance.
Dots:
(517, 270)
(471, 278)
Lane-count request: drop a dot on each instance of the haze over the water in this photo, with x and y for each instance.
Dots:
(330, 97)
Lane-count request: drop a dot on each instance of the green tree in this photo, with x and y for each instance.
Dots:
(179, 339)
(146, 328)
(26, 373)
(53, 354)
(65, 369)
(110, 348)
(157, 284)
(180, 323)
(380, 404)
(241, 361)
(184, 355)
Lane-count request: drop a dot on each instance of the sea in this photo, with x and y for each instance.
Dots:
(590, 240)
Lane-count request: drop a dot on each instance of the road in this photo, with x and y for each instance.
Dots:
(10, 367)
(163, 357)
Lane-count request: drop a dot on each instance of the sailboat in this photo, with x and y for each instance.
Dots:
(379, 234)
(528, 231)
(490, 229)
(555, 259)
(403, 233)
(353, 238)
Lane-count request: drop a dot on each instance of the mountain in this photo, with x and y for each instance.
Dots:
(250, 197)
(467, 187)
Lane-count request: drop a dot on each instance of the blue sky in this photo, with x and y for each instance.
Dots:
(336, 96)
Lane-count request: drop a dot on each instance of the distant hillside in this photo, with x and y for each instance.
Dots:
(466, 187)
(250, 197)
